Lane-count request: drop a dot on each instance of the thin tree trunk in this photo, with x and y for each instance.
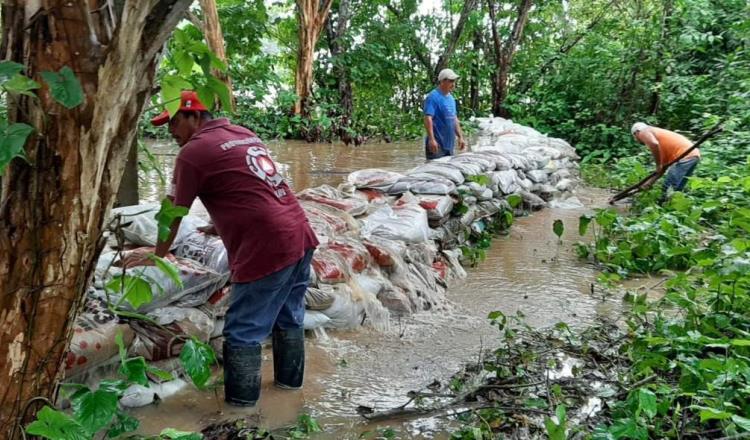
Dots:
(474, 80)
(215, 39)
(335, 33)
(52, 210)
(127, 195)
(504, 55)
(660, 62)
(450, 49)
(312, 16)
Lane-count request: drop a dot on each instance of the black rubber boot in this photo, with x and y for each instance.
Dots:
(289, 358)
(242, 374)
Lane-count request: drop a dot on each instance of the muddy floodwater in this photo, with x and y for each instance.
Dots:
(526, 271)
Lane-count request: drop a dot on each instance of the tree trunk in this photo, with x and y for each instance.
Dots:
(504, 54)
(52, 211)
(474, 80)
(335, 31)
(312, 16)
(660, 62)
(127, 195)
(458, 29)
(211, 27)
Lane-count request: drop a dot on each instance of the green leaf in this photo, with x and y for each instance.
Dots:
(167, 215)
(12, 142)
(161, 374)
(742, 422)
(713, 414)
(556, 430)
(21, 84)
(171, 87)
(122, 425)
(647, 402)
(65, 87)
(95, 410)
(134, 369)
(167, 268)
(583, 224)
(740, 342)
(183, 61)
(222, 91)
(9, 69)
(174, 434)
(136, 290)
(56, 425)
(114, 386)
(514, 200)
(558, 228)
(197, 358)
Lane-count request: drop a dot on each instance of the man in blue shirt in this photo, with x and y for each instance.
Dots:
(440, 118)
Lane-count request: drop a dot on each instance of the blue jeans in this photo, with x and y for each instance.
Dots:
(678, 174)
(275, 301)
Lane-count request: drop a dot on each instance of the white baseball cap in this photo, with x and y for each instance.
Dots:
(447, 74)
(638, 126)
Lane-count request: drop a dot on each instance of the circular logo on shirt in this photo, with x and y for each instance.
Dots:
(266, 164)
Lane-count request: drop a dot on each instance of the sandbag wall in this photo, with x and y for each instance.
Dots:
(390, 245)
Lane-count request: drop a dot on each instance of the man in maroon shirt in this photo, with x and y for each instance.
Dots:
(268, 239)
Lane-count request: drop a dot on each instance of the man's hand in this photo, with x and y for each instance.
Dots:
(141, 257)
(461, 144)
(432, 143)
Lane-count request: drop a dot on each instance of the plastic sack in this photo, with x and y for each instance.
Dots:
(217, 304)
(351, 252)
(501, 163)
(383, 251)
(442, 170)
(476, 159)
(373, 178)
(158, 342)
(532, 201)
(328, 266)
(565, 185)
(537, 176)
(467, 168)
(506, 181)
(206, 249)
(315, 320)
(317, 299)
(192, 321)
(396, 301)
(93, 341)
(136, 396)
(422, 186)
(405, 223)
(198, 283)
(335, 199)
(437, 207)
(140, 227)
(345, 312)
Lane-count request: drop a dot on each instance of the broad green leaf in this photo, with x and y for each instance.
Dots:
(95, 410)
(197, 358)
(583, 224)
(135, 290)
(168, 269)
(183, 61)
(558, 228)
(514, 200)
(174, 434)
(122, 425)
(123, 352)
(742, 422)
(740, 342)
(56, 425)
(21, 84)
(206, 95)
(65, 87)
(713, 414)
(647, 402)
(166, 215)
(628, 428)
(12, 142)
(171, 87)
(114, 386)
(161, 374)
(134, 369)
(222, 91)
(9, 69)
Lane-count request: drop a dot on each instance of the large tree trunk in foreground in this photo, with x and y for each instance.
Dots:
(312, 16)
(504, 54)
(52, 210)
(211, 27)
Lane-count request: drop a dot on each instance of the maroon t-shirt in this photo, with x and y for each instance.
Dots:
(254, 211)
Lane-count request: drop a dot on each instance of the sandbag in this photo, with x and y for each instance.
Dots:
(315, 320)
(506, 181)
(93, 342)
(208, 250)
(383, 251)
(328, 266)
(437, 207)
(327, 195)
(345, 312)
(422, 186)
(317, 299)
(442, 170)
(373, 178)
(537, 176)
(140, 227)
(405, 223)
(158, 342)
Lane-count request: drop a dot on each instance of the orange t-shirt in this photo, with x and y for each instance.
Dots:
(672, 145)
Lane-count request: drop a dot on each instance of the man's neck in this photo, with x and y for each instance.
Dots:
(445, 92)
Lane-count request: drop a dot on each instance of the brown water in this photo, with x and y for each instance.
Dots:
(526, 271)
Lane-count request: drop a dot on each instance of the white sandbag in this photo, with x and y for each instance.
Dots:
(537, 176)
(507, 181)
(405, 223)
(315, 320)
(437, 207)
(422, 186)
(443, 170)
(480, 191)
(559, 175)
(565, 185)
(140, 226)
(548, 152)
(501, 163)
(467, 168)
(345, 312)
(485, 163)
(206, 249)
(192, 321)
(373, 178)
(137, 396)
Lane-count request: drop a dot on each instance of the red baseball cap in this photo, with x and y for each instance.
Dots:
(188, 101)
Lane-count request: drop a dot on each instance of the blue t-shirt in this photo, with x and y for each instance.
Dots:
(442, 108)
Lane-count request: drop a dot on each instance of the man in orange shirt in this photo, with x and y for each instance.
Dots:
(666, 146)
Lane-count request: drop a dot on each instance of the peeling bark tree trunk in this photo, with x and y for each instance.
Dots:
(504, 53)
(312, 16)
(52, 210)
(335, 31)
(211, 27)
